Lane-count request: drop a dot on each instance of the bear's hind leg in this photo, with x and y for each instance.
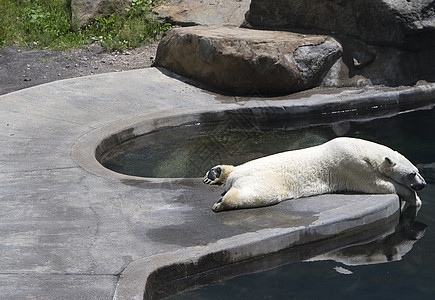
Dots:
(229, 200)
(218, 174)
(244, 198)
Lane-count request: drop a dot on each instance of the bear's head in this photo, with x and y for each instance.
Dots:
(402, 171)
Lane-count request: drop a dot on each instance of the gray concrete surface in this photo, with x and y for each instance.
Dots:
(69, 229)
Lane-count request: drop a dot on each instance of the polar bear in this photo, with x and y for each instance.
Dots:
(340, 165)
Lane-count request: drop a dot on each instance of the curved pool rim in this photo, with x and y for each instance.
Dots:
(88, 149)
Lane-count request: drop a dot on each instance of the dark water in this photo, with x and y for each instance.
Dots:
(401, 266)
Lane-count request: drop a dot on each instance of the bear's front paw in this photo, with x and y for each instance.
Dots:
(217, 207)
(212, 176)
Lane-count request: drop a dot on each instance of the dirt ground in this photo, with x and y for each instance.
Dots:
(22, 68)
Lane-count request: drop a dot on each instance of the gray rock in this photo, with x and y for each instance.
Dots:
(310, 58)
(362, 64)
(243, 61)
(210, 12)
(84, 12)
(402, 23)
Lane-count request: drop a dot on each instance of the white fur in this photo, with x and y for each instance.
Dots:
(342, 164)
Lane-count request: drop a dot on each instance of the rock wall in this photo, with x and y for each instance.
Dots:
(404, 23)
(389, 42)
(363, 64)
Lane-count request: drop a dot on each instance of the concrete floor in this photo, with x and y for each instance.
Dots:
(70, 229)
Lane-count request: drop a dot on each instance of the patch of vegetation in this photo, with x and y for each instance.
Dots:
(47, 24)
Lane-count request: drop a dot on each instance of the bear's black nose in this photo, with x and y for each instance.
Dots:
(418, 186)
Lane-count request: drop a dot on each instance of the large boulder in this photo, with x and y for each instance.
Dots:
(84, 12)
(243, 61)
(194, 12)
(404, 23)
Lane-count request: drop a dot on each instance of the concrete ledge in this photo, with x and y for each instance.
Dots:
(334, 225)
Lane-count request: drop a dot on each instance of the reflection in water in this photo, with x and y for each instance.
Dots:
(390, 248)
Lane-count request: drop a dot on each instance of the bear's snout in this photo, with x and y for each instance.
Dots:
(419, 185)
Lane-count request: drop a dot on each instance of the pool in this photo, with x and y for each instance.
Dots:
(397, 267)
(400, 266)
(201, 146)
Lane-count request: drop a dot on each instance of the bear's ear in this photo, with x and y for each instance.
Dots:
(388, 161)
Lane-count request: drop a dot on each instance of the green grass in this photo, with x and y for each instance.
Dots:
(47, 24)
